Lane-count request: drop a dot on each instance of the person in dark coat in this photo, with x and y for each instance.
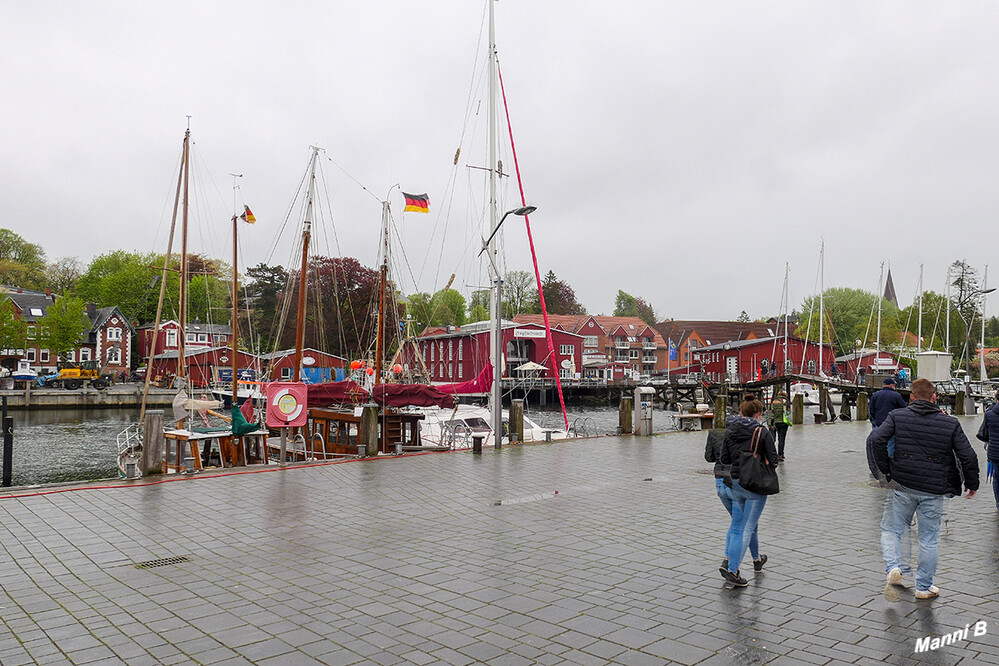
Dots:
(992, 447)
(931, 455)
(723, 485)
(746, 506)
(883, 401)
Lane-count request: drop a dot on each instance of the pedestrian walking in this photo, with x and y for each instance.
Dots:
(989, 433)
(894, 554)
(779, 420)
(930, 447)
(723, 485)
(747, 506)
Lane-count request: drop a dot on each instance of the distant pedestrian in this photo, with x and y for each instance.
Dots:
(861, 376)
(779, 420)
(990, 435)
(884, 401)
(930, 446)
(834, 370)
(746, 506)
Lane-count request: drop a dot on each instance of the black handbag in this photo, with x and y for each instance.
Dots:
(755, 473)
(983, 431)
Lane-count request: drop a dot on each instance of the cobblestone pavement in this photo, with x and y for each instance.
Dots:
(458, 559)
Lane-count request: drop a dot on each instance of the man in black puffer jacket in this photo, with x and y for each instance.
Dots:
(929, 447)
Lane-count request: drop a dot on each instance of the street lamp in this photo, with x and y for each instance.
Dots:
(497, 327)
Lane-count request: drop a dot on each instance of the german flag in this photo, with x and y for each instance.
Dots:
(416, 203)
(247, 215)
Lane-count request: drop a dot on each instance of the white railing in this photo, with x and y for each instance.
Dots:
(621, 344)
(129, 442)
(649, 345)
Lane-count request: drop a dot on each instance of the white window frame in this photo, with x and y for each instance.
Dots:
(203, 337)
(43, 356)
(566, 350)
(114, 334)
(461, 351)
(32, 331)
(634, 353)
(461, 369)
(84, 354)
(590, 341)
(286, 374)
(191, 337)
(29, 355)
(171, 338)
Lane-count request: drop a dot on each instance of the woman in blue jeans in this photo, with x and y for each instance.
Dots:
(723, 487)
(746, 506)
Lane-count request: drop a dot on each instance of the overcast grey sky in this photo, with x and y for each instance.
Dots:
(682, 152)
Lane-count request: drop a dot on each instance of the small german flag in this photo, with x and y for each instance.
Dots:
(416, 203)
(247, 215)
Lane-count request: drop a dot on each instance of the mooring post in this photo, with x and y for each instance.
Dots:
(368, 433)
(721, 408)
(516, 420)
(624, 415)
(862, 406)
(959, 404)
(844, 408)
(798, 409)
(152, 442)
(8, 448)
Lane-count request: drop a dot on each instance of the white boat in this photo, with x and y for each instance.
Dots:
(808, 392)
(24, 371)
(454, 428)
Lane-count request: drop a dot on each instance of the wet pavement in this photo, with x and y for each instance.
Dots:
(593, 551)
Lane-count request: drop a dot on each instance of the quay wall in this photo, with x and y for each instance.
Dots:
(21, 399)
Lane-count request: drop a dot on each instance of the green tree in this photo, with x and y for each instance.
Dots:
(851, 315)
(743, 317)
(519, 290)
(263, 293)
(62, 275)
(130, 281)
(22, 263)
(626, 305)
(445, 308)
(64, 325)
(560, 298)
(13, 331)
(478, 313)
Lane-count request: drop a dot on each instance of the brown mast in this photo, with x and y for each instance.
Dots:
(235, 313)
(163, 281)
(380, 329)
(306, 235)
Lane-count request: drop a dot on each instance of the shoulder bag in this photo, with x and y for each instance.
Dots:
(983, 431)
(755, 473)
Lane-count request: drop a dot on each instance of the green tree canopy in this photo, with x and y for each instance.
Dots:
(560, 298)
(626, 305)
(851, 315)
(22, 264)
(445, 308)
(64, 325)
(13, 331)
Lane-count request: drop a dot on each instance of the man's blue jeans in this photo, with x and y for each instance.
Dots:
(725, 495)
(746, 510)
(928, 509)
(901, 553)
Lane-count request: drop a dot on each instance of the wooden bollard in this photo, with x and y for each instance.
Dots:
(798, 409)
(624, 416)
(152, 442)
(517, 420)
(367, 434)
(721, 409)
(844, 408)
(959, 403)
(862, 406)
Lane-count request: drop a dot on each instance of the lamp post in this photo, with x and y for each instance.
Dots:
(981, 344)
(497, 325)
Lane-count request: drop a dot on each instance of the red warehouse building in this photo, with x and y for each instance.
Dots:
(460, 353)
(742, 361)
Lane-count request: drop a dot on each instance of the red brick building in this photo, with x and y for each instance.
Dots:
(610, 340)
(459, 353)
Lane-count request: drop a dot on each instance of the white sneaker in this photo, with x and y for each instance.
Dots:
(895, 576)
(931, 593)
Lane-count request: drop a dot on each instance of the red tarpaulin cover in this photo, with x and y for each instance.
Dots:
(329, 393)
(480, 384)
(416, 395)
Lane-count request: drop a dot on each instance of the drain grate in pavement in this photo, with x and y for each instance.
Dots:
(163, 562)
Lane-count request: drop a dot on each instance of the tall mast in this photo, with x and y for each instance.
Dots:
(947, 336)
(787, 271)
(881, 277)
(181, 351)
(163, 281)
(235, 313)
(919, 328)
(380, 331)
(496, 310)
(306, 235)
(822, 302)
(981, 347)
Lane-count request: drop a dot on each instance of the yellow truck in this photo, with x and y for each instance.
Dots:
(74, 375)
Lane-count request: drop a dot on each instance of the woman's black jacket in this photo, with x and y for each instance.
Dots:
(739, 438)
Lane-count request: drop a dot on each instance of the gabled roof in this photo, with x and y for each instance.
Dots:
(100, 316)
(633, 326)
(31, 304)
(717, 332)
